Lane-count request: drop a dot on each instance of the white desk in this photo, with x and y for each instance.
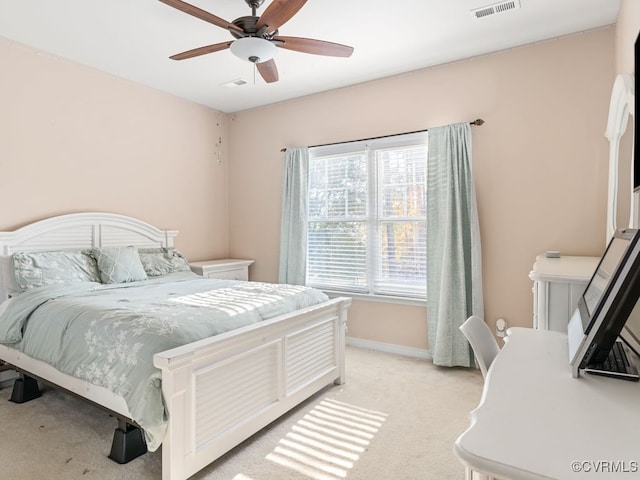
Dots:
(534, 419)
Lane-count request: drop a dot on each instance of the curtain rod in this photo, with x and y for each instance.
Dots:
(477, 121)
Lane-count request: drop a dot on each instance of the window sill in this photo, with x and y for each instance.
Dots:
(416, 302)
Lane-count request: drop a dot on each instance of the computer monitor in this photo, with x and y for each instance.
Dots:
(607, 302)
(630, 334)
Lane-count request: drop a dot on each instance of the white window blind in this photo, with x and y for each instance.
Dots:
(367, 217)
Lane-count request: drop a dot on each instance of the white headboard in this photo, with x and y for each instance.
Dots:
(83, 230)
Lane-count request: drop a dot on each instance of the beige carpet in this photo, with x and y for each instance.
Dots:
(395, 418)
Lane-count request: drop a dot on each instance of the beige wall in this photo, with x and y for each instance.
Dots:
(540, 163)
(76, 139)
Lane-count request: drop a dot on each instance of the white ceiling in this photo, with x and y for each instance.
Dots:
(134, 38)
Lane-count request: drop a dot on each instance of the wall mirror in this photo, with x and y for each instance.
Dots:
(622, 203)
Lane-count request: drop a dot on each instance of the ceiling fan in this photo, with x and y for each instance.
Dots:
(256, 38)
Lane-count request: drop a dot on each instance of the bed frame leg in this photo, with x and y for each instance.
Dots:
(128, 443)
(24, 389)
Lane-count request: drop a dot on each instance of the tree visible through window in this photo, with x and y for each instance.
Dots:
(367, 216)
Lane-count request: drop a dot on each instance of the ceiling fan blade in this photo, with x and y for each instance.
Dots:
(201, 14)
(317, 47)
(278, 13)
(268, 71)
(196, 52)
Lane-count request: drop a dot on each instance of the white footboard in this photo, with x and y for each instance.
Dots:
(221, 390)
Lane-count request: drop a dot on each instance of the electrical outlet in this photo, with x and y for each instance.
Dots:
(501, 327)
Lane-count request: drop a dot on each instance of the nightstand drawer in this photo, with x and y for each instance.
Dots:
(226, 269)
(235, 274)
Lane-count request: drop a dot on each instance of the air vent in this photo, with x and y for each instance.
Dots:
(235, 83)
(495, 8)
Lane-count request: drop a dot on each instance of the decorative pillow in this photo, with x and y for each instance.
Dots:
(37, 269)
(8, 277)
(119, 264)
(161, 261)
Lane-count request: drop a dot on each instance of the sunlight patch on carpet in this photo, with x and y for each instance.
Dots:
(327, 442)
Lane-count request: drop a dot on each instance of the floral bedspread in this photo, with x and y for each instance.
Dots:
(108, 334)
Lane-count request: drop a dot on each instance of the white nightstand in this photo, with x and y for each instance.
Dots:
(228, 268)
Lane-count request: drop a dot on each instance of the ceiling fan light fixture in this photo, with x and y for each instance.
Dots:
(253, 49)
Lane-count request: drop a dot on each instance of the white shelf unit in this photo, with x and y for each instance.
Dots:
(557, 285)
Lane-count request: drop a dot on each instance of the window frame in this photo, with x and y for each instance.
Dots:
(374, 216)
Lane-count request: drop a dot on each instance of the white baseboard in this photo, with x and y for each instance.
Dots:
(389, 348)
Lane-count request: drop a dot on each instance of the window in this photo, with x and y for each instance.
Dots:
(367, 217)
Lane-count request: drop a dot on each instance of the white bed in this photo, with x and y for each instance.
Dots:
(298, 353)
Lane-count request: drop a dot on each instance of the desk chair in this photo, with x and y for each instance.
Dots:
(485, 347)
